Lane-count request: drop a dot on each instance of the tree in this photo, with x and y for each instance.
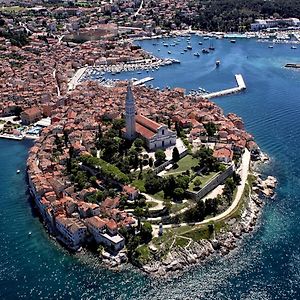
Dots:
(178, 194)
(153, 183)
(211, 206)
(211, 128)
(138, 143)
(160, 155)
(146, 232)
(175, 154)
(150, 162)
(197, 183)
(169, 186)
(169, 123)
(118, 124)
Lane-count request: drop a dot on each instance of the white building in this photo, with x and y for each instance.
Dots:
(105, 232)
(272, 23)
(73, 230)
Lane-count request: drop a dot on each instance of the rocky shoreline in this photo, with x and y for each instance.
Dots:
(180, 258)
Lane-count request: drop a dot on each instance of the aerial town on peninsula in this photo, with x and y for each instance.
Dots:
(156, 177)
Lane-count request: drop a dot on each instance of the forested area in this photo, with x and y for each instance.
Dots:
(236, 15)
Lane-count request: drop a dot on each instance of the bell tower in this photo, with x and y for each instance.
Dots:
(130, 114)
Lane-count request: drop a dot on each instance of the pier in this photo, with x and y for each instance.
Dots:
(240, 87)
(11, 136)
(142, 81)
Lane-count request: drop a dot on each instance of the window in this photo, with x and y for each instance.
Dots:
(163, 132)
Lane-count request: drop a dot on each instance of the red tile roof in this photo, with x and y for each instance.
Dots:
(145, 122)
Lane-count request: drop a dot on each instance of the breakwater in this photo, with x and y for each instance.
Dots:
(240, 87)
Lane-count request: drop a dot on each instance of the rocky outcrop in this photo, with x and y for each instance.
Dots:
(197, 252)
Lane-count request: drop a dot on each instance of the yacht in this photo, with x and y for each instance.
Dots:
(293, 47)
(197, 54)
(205, 51)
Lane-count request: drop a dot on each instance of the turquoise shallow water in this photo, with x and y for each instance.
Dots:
(267, 266)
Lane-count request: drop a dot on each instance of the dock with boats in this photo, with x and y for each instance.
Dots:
(240, 87)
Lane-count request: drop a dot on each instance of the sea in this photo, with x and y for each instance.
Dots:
(266, 264)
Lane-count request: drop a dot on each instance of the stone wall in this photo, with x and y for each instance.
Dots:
(213, 183)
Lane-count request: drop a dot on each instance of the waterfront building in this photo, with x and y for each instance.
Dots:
(31, 115)
(73, 230)
(105, 232)
(273, 23)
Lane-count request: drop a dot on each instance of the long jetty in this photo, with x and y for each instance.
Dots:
(142, 81)
(240, 87)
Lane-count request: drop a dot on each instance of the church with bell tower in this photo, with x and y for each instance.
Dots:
(154, 134)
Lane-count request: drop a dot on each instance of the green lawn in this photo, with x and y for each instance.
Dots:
(178, 206)
(198, 234)
(180, 241)
(186, 163)
(159, 195)
(143, 253)
(139, 184)
(204, 179)
(151, 204)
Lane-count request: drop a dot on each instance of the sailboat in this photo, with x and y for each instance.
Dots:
(211, 46)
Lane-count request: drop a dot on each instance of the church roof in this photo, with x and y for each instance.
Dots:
(143, 131)
(149, 124)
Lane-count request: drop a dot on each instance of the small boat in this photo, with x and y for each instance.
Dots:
(206, 38)
(166, 45)
(232, 41)
(158, 49)
(205, 51)
(293, 47)
(173, 45)
(169, 52)
(29, 233)
(218, 63)
(139, 72)
(189, 47)
(18, 171)
(271, 46)
(197, 54)
(200, 43)
(184, 50)
(211, 46)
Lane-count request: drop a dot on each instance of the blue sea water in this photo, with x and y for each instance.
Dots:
(266, 266)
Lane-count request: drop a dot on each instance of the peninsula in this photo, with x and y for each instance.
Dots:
(154, 177)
